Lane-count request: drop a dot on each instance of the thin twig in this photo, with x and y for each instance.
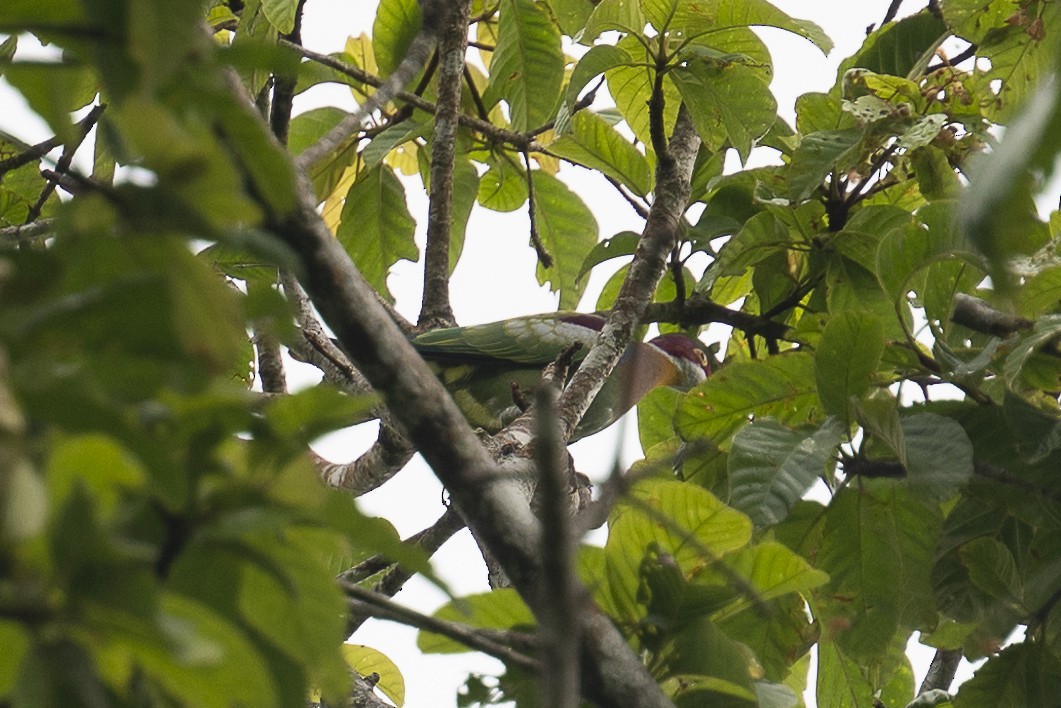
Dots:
(63, 164)
(532, 212)
(519, 141)
(363, 601)
(415, 57)
(41, 149)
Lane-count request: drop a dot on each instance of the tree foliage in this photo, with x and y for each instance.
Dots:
(891, 290)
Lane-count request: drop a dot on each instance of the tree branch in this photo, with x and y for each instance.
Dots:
(367, 602)
(558, 623)
(978, 315)
(41, 149)
(673, 173)
(519, 141)
(941, 671)
(26, 232)
(284, 86)
(435, 310)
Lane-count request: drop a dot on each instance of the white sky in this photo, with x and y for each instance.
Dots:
(495, 280)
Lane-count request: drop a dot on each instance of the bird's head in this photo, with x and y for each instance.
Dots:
(692, 360)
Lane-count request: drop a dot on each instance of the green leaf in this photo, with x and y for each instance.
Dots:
(773, 570)
(24, 509)
(631, 87)
(848, 355)
(503, 187)
(938, 455)
(993, 569)
(729, 102)
(465, 189)
(696, 521)
(499, 609)
(54, 91)
(1025, 674)
(16, 643)
(878, 548)
(995, 211)
(393, 32)
(376, 228)
(281, 14)
(568, 231)
(623, 15)
(621, 244)
(694, 18)
(779, 386)
(595, 144)
(303, 416)
(367, 661)
(772, 466)
(817, 155)
(101, 464)
(655, 416)
(899, 48)
(845, 682)
(528, 66)
(593, 63)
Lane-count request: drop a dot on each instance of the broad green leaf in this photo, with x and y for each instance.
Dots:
(465, 189)
(993, 569)
(698, 530)
(817, 155)
(571, 15)
(1038, 430)
(503, 187)
(860, 238)
(779, 386)
(773, 570)
(101, 464)
(695, 18)
(16, 643)
(621, 244)
(623, 15)
(595, 144)
(973, 19)
(309, 127)
(593, 63)
(303, 416)
(995, 210)
(367, 661)
(878, 548)
(1025, 674)
(528, 67)
(395, 27)
(376, 227)
(391, 138)
(845, 682)
(900, 47)
(631, 87)
(54, 91)
(848, 356)
(938, 455)
(730, 102)
(1045, 330)
(785, 633)
(708, 667)
(281, 14)
(568, 231)
(655, 416)
(819, 112)
(772, 466)
(499, 609)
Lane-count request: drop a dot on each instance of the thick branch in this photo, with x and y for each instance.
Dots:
(941, 671)
(452, 47)
(673, 172)
(25, 232)
(284, 85)
(976, 314)
(558, 623)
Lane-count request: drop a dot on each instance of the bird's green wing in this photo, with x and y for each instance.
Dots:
(533, 340)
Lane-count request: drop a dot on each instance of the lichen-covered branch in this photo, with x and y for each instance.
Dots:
(673, 173)
(452, 46)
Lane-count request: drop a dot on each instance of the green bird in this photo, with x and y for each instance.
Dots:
(480, 364)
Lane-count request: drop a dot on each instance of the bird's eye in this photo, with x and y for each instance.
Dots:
(701, 357)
